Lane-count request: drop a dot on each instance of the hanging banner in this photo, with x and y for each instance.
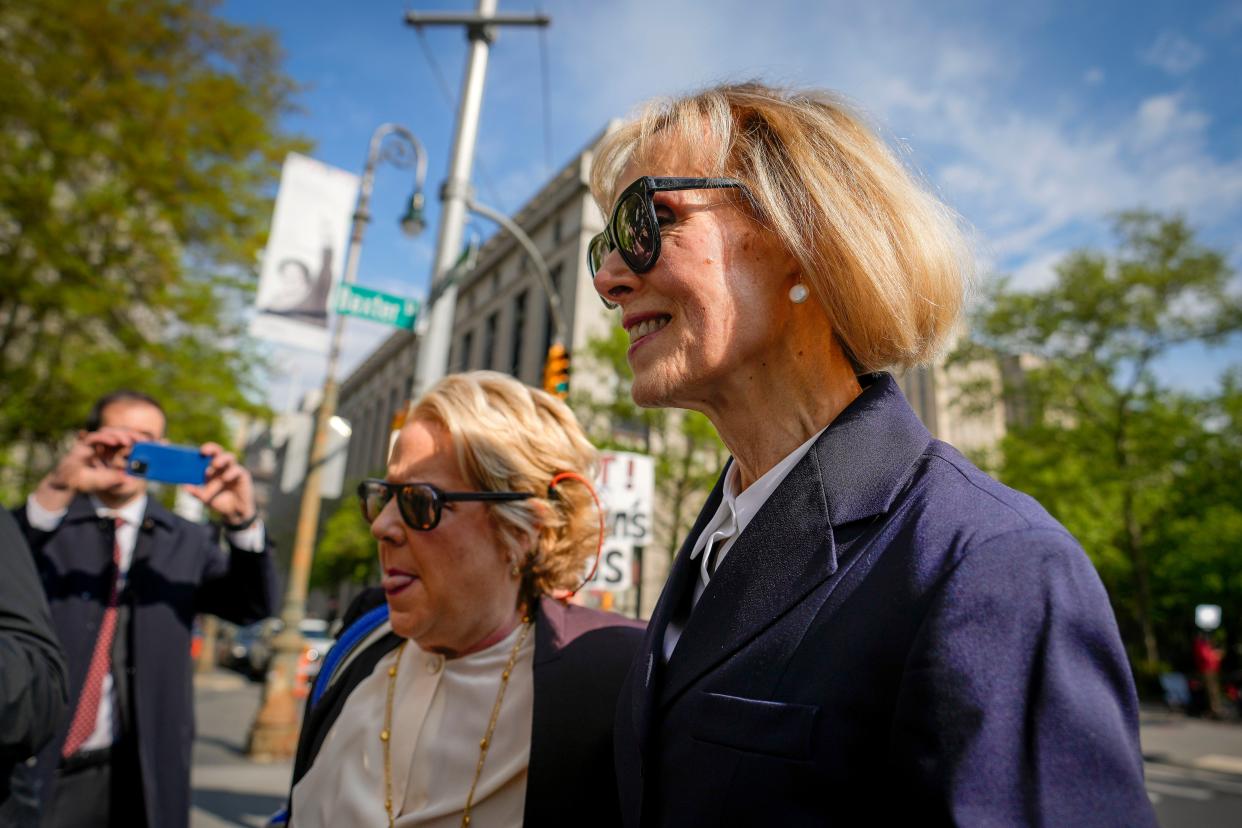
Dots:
(305, 253)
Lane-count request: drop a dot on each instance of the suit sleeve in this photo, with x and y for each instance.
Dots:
(240, 586)
(1017, 705)
(33, 682)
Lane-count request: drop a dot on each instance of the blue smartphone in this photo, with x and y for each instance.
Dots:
(167, 464)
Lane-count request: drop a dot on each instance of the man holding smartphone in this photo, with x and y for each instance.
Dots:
(124, 578)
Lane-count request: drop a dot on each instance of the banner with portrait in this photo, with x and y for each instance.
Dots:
(305, 253)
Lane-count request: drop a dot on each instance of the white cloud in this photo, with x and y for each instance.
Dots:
(1163, 120)
(950, 89)
(1173, 53)
(1039, 271)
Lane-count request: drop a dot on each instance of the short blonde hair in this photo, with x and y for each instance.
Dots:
(511, 437)
(883, 256)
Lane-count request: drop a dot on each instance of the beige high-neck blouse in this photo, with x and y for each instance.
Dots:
(440, 712)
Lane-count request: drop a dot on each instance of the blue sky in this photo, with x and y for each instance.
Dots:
(1035, 122)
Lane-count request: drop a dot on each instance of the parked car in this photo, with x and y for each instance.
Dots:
(316, 643)
(250, 649)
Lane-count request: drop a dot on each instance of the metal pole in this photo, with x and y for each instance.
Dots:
(433, 350)
(275, 729)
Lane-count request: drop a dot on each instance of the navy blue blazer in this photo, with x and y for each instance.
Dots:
(178, 570)
(895, 637)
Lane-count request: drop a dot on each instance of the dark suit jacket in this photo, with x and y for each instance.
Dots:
(895, 638)
(581, 656)
(32, 669)
(178, 570)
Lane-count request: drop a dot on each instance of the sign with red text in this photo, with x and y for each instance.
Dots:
(626, 488)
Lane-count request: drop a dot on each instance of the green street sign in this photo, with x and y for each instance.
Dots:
(377, 306)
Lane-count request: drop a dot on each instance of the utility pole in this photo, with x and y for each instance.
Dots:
(274, 733)
(433, 350)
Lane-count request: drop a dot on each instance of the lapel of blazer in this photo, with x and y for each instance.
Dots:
(649, 667)
(541, 776)
(785, 552)
(854, 471)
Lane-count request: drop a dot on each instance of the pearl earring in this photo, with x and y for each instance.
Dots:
(798, 293)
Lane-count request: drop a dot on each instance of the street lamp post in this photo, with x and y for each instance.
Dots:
(274, 733)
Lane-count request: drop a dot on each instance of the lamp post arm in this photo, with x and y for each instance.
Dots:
(404, 153)
(541, 265)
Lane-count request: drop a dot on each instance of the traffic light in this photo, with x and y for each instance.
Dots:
(556, 371)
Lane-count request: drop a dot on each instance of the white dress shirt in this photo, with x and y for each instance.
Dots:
(441, 709)
(250, 539)
(736, 511)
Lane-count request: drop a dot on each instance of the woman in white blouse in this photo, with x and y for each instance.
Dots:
(463, 694)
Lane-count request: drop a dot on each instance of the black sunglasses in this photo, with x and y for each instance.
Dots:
(633, 228)
(420, 504)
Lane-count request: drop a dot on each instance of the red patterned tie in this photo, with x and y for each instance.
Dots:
(85, 717)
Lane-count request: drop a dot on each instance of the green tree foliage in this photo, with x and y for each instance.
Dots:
(688, 453)
(346, 552)
(139, 146)
(1136, 471)
(1201, 538)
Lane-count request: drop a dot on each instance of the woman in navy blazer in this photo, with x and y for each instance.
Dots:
(861, 625)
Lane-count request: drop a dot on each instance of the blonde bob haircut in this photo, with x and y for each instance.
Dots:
(511, 437)
(883, 257)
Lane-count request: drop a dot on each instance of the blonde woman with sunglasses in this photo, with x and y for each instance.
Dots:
(861, 627)
(462, 693)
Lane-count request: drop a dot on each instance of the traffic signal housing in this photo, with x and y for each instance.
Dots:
(556, 371)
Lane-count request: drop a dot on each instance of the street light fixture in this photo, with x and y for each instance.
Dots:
(274, 733)
(413, 222)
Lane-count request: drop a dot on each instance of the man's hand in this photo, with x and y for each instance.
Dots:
(93, 464)
(228, 489)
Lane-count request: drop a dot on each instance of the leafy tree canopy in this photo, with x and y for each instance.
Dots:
(1130, 466)
(346, 552)
(139, 144)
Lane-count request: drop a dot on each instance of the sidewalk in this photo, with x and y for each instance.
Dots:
(1174, 739)
(229, 790)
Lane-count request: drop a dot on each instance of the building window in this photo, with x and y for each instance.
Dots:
(549, 329)
(463, 351)
(558, 231)
(374, 452)
(517, 335)
(489, 340)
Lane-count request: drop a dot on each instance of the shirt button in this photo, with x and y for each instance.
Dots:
(434, 663)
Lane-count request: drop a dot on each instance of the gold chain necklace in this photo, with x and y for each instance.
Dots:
(386, 733)
(484, 744)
